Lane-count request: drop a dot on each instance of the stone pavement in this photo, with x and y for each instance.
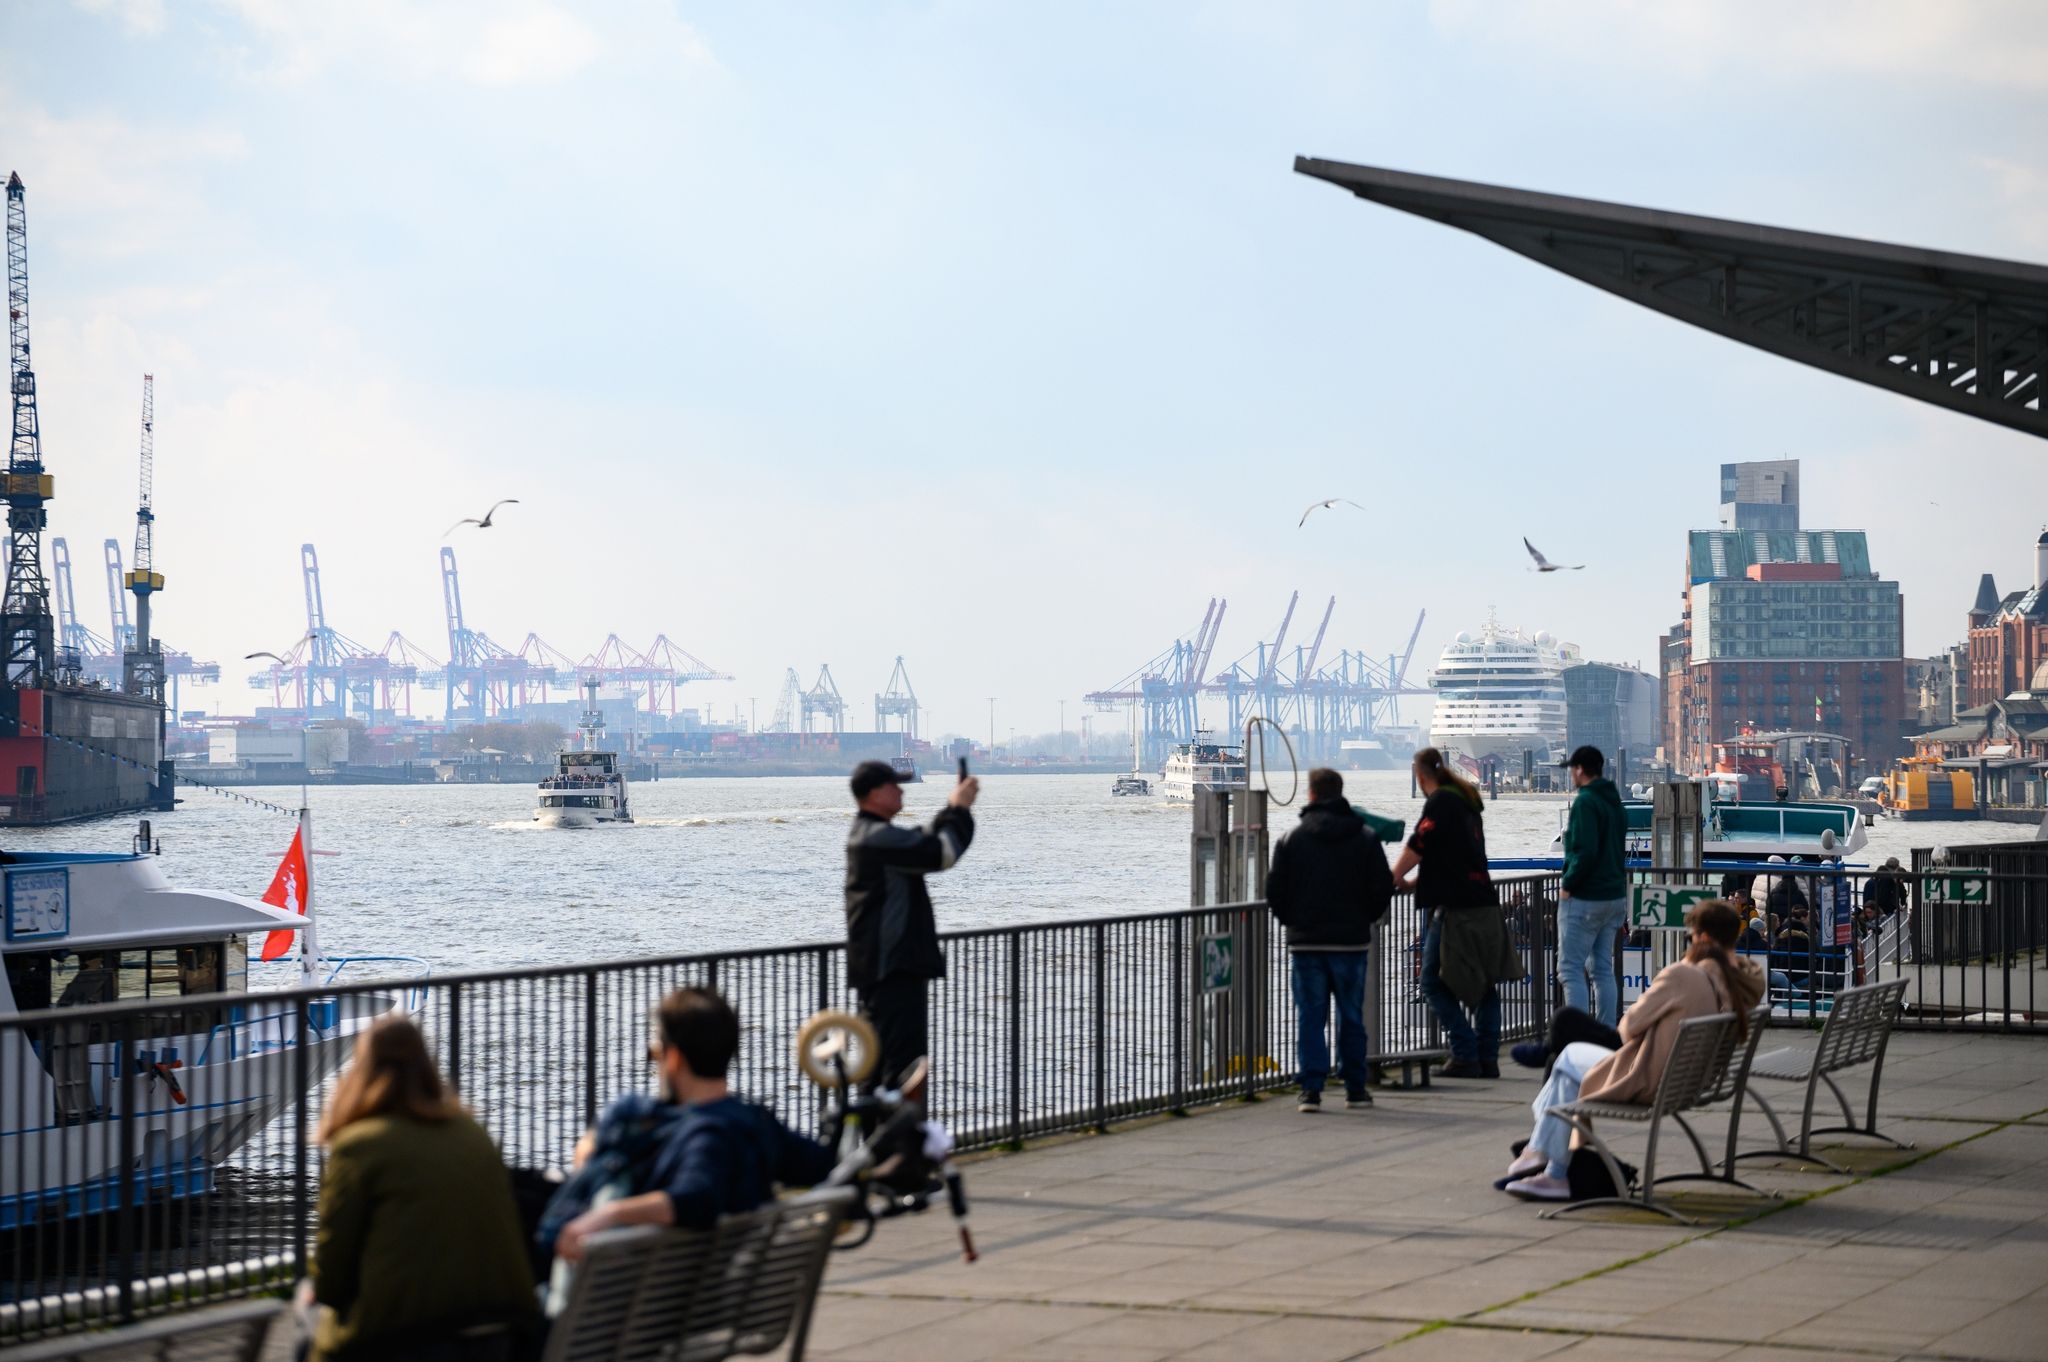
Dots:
(1250, 1232)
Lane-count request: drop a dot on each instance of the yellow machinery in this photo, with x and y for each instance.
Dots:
(1921, 787)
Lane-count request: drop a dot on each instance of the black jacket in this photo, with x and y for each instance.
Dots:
(1329, 881)
(889, 926)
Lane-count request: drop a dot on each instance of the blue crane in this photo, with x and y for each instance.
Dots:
(483, 677)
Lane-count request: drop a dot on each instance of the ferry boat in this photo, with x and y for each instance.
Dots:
(214, 1067)
(905, 767)
(1199, 763)
(1740, 830)
(588, 788)
(1501, 694)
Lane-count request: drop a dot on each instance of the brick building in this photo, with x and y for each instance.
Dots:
(1784, 630)
(2008, 635)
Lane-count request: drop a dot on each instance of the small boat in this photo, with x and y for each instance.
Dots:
(214, 1066)
(1131, 785)
(588, 788)
(906, 769)
(1203, 763)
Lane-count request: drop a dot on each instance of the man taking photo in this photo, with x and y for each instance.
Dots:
(1594, 908)
(892, 941)
(1328, 884)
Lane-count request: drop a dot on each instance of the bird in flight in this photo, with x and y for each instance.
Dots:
(1315, 506)
(483, 524)
(1544, 564)
(251, 657)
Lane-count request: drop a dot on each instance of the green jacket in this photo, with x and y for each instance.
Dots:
(1596, 843)
(418, 1236)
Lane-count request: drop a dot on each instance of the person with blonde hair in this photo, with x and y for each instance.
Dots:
(1711, 978)
(418, 1254)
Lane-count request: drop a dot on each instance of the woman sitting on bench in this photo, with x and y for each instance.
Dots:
(1710, 979)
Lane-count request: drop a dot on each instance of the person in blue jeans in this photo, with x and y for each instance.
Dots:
(1328, 884)
(1594, 908)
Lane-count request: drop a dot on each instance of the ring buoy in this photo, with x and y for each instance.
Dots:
(835, 1034)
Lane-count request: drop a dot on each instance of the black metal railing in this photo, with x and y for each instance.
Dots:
(156, 1154)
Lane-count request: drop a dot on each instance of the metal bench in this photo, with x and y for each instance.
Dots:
(745, 1286)
(1858, 1029)
(232, 1333)
(1699, 1060)
(1732, 1086)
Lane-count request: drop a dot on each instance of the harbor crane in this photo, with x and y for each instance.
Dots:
(81, 653)
(142, 663)
(823, 699)
(483, 677)
(1167, 689)
(179, 666)
(788, 705)
(331, 674)
(117, 598)
(546, 666)
(897, 701)
(27, 631)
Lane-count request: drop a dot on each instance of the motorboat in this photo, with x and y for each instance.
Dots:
(1203, 763)
(905, 767)
(193, 1082)
(588, 788)
(1131, 784)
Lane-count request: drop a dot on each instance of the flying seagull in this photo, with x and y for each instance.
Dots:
(483, 524)
(1319, 505)
(282, 662)
(1544, 564)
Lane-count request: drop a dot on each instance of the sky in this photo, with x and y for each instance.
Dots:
(997, 337)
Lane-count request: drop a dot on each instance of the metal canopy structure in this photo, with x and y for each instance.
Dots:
(1964, 332)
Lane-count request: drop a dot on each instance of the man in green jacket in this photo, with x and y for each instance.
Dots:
(1594, 908)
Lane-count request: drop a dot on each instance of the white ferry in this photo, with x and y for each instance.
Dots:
(206, 1073)
(1199, 763)
(1818, 830)
(1501, 694)
(588, 788)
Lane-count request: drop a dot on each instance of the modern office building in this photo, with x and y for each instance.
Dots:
(1614, 709)
(1760, 496)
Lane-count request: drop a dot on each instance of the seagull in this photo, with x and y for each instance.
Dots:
(282, 662)
(1544, 564)
(483, 524)
(1319, 505)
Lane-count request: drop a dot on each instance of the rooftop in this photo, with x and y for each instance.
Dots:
(1251, 1232)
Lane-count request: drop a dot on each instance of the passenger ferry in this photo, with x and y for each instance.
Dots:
(1740, 830)
(1200, 763)
(588, 788)
(207, 1072)
(1501, 694)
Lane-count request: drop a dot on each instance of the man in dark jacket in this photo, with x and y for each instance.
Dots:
(892, 941)
(1594, 909)
(1328, 884)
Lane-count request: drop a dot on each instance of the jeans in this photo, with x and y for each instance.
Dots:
(1317, 977)
(1481, 1047)
(1552, 1136)
(1586, 932)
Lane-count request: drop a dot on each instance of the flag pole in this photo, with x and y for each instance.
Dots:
(309, 935)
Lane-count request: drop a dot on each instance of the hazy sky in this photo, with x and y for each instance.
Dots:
(998, 336)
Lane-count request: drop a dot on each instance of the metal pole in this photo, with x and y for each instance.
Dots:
(301, 1143)
(124, 1252)
(1016, 1037)
(590, 1048)
(1100, 937)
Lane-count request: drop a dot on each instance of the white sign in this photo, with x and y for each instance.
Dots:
(38, 903)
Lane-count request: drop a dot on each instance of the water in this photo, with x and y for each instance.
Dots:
(461, 877)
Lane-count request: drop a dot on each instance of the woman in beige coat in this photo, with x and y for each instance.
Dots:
(1710, 979)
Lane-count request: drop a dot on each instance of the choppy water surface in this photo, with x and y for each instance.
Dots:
(460, 876)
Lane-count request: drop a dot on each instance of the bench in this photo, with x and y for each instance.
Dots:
(1859, 1027)
(232, 1333)
(1732, 1086)
(1699, 1062)
(745, 1286)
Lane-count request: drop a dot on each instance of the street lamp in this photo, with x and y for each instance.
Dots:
(991, 727)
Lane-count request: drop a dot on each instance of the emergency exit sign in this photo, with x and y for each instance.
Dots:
(1662, 907)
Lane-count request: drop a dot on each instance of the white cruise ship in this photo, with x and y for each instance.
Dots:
(1501, 694)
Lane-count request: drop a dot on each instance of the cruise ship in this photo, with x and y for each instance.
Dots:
(1501, 694)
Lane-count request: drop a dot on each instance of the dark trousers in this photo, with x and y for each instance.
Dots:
(901, 1011)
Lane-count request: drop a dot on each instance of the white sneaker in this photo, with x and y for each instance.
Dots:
(1540, 1187)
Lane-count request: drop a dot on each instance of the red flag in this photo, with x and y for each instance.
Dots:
(287, 891)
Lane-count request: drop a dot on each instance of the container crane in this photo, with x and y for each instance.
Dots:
(788, 705)
(178, 666)
(27, 632)
(674, 667)
(482, 677)
(142, 665)
(897, 701)
(80, 651)
(823, 699)
(117, 598)
(1167, 689)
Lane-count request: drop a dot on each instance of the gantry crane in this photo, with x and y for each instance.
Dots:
(179, 666)
(27, 632)
(142, 665)
(823, 698)
(80, 652)
(899, 702)
(787, 705)
(117, 598)
(483, 677)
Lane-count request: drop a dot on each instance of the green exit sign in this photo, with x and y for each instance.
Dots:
(1662, 907)
(1959, 889)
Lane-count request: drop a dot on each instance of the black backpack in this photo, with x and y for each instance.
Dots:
(1588, 1174)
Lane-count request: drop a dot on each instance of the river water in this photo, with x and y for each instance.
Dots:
(461, 877)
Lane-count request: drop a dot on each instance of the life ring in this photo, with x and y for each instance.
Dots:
(835, 1034)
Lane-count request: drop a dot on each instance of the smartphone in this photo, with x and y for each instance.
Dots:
(963, 768)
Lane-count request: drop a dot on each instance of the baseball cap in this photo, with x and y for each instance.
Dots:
(870, 776)
(1587, 759)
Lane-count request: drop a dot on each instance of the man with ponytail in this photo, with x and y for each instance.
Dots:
(1709, 980)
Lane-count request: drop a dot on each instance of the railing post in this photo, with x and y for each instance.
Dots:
(124, 1231)
(1014, 1042)
(1100, 935)
(1178, 1013)
(301, 1144)
(590, 1079)
(455, 1036)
